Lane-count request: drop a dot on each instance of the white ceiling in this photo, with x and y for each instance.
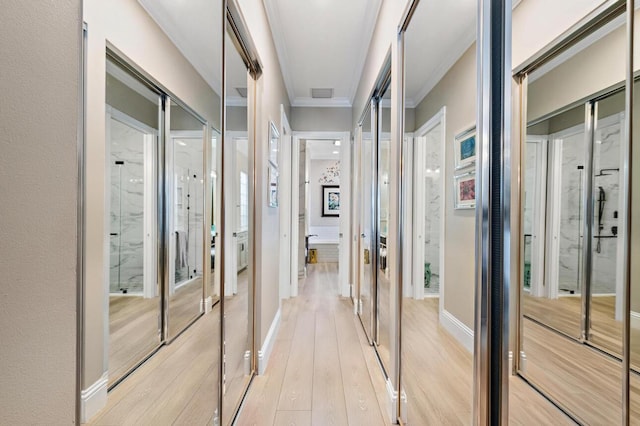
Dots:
(322, 44)
(438, 34)
(200, 40)
(322, 150)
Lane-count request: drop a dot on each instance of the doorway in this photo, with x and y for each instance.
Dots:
(573, 238)
(320, 217)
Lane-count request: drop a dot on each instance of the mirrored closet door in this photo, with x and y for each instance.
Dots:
(133, 131)
(573, 229)
(365, 218)
(239, 356)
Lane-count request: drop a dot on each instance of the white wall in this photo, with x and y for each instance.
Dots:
(40, 85)
(318, 176)
(271, 93)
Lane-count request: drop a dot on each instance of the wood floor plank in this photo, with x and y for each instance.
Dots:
(360, 397)
(328, 392)
(297, 386)
(293, 418)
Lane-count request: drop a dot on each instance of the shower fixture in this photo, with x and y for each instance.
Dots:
(602, 172)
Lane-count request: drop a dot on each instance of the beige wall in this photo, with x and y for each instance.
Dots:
(40, 45)
(307, 119)
(270, 94)
(456, 91)
(125, 25)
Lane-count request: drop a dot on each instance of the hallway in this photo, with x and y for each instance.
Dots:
(321, 370)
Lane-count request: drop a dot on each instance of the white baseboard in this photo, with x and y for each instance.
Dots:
(392, 396)
(635, 319)
(265, 352)
(207, 304)
(458, 329)
(94, 398)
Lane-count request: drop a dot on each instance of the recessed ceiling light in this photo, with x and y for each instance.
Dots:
(337, 143)
(336, 152)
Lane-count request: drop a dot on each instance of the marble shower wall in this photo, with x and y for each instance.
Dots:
(126, 268)
(432, 185)
(571, 181)
(606, 155)
(189, 212)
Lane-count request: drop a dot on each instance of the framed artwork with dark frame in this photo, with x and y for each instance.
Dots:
(330, 200)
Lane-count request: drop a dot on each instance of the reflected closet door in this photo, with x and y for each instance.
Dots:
(132, 184)
(367, 247)
(608, 233)
(185, 218)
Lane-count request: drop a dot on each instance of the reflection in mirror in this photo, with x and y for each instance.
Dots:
(383, 289)
(185, 165)
(147, 209)
(573, 233)
(238, 177)
(365, 264)
(132, 146)
(216, 144)
(440, 98)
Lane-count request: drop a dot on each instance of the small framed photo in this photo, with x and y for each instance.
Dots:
(272, 193)
(464, 189)
(464, 148)
(274, 144)
(330, 200)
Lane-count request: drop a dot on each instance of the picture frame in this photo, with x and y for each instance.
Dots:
(272, 181)
(465, 148)
(274, 144)
(464, 190)
(330, 200)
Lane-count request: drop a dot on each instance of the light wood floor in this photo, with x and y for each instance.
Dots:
(438, 376)
(237, 343)
(321, 370)
(178, 385)
(133, 325)
(564, 313)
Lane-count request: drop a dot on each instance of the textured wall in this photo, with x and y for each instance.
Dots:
(40, 42)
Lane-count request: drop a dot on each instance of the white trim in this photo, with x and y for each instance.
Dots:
(458, 329)
(265, 352)
(94, 398)
(635, 320)
(392, 397)
(208, 305)
(284, 209)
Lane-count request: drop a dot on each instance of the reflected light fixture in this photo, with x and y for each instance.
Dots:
(337, 143)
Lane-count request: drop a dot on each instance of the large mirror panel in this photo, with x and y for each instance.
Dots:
(436, 370)
(132, 137)
(184, 156)
(153, 84)
(571, 237)
(383, 282)
(365, 263)
(238, 286)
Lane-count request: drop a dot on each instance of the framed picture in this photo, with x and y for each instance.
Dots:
(464, 189)
(274, 144)
(464, 148)
(330, 200)
(273, 186)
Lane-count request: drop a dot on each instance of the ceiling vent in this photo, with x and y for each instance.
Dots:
(242, 91)
(322, 93)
